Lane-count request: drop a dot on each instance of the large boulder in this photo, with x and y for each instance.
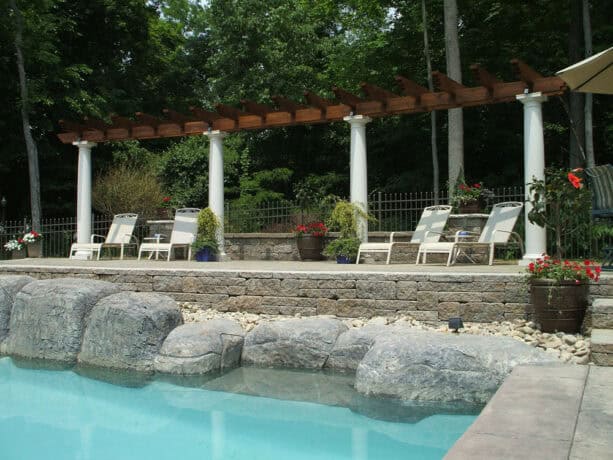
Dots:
(9, 287)
(201, 348)
(127, 329)
(299, 343)
(352, 345)
(433, 366)
(48, 317)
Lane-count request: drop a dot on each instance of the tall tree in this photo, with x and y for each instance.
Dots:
(576, 99)
(435, 169)
(589, 135)
(25, 121)
(455, 123)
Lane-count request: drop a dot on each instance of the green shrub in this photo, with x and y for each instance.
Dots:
(126, 189)
(208, 223)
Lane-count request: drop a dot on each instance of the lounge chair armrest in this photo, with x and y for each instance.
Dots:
(396, 233)
(131, 239)
(93, 237)
(157, 238)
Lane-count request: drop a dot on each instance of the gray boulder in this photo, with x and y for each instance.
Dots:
(299, 343)
(433, 366)
(352, 345)
(127, 329)
(9, 287)
(200, 348)
(48, 317)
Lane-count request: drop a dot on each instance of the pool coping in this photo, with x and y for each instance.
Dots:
(544, 412)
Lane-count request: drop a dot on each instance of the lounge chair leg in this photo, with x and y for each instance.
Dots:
(357, 260)
(389, 256)
(121, 252)
(492, 254)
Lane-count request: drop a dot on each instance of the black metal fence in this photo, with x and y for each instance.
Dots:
(392, 211)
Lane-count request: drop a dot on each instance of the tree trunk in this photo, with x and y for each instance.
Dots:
(454, 71)
(576, 100)
(435, 168)
(25, 120)
(589, 136)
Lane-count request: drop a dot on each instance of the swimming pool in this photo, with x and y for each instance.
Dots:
(58, 414)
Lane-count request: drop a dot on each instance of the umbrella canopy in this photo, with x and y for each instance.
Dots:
(592, 75)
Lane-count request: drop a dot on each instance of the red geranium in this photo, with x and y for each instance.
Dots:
(548, 268)
(312, 229)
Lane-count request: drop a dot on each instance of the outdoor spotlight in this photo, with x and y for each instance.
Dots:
(455, 324)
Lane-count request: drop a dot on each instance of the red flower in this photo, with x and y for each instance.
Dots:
(477, 185)
(576, 181)
(166, 199)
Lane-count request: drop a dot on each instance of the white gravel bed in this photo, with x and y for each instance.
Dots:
(573, 348)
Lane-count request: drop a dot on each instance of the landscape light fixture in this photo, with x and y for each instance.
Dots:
(455, 324)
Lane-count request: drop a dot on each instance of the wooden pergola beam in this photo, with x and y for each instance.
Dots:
(347, 98)
(484, 78)
(378, 102)
(287, 105)
(447, 84)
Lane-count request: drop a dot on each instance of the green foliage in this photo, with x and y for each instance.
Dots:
(347, 247)
(124, 188)
(208, 224)
(557, 201)
(344, 219)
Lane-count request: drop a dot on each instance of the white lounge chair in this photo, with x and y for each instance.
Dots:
(183, 235)
(118, 236)
(429, 228)
(497, 230)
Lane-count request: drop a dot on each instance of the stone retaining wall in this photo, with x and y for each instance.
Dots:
(426, 297)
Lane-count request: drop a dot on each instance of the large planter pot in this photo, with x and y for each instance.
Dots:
(559, 306)
(18, 254)
(205, 255)
(470, 207)
(310, 247)
(35, 249)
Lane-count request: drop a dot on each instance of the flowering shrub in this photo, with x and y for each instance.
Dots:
(558, 270)
(14, 245)
(464, 193)
(32, 237)
(166, 202)
(557, 201)
(312, 229)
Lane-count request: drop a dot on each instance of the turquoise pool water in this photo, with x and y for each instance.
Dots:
(57, 415)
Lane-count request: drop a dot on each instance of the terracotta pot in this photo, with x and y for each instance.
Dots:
(35, 249)
(310, 247)
(559, 306)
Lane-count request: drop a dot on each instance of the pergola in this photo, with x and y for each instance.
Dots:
(532, 89)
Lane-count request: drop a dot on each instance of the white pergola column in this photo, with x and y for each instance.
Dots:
(216, 183)
(358, 173)
(534, 167)
(84, 196)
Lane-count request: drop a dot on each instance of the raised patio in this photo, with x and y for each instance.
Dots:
(478, 293)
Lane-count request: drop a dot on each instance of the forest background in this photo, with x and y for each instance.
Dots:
(100, 57)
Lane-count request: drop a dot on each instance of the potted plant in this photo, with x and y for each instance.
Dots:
(344, 219)
(310, 240)
(470, 198)
(33, 243)
(557, 201)
(206, 245)
(559, 292)
(16, 247)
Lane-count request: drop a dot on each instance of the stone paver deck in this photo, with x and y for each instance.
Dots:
(264, 265)
(545, 412)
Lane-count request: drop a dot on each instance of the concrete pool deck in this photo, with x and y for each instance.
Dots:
(545, 412)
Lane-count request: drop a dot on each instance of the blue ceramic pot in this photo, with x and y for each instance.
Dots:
(205, 255)
(343, 260)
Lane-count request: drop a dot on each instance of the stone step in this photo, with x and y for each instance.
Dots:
(602, 313)
(602, 347)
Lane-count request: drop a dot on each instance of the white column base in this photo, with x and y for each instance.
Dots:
(528, 259)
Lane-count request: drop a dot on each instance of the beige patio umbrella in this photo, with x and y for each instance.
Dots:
(592, 75)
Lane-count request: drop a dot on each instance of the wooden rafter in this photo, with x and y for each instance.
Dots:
(378, 102)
